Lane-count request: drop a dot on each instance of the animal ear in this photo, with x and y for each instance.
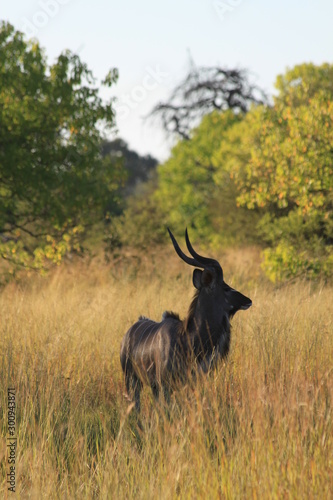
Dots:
(202, 278)
(197, 274)
(207, 277)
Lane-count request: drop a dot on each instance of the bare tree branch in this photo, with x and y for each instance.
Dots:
(203, 90)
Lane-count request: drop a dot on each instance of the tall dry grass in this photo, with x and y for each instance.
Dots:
(258, 427)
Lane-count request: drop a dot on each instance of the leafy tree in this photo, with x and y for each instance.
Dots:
(281, 159)
(303, 82)
(54, 181)
(188, 192)
(142, 223)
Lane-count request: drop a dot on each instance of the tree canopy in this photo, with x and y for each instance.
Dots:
(187, 188)
(282, 161)
(274, 162)
(246, 171)
(54, 181)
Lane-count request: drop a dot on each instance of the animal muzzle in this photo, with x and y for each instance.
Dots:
(237, 301)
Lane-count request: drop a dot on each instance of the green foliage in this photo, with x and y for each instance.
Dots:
(286, 260)
(303, 82)
(54, 181)
(283, 169)
(141, 225)
(265, 175)
(188, 193)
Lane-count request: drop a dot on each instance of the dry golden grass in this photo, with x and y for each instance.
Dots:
(258, 427)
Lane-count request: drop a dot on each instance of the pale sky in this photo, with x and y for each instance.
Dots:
(149, 42)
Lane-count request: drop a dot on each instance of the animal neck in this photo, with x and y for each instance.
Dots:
(205, 331)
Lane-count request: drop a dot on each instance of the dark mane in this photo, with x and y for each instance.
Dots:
(183, 326)
(170, 314)
(191, 311)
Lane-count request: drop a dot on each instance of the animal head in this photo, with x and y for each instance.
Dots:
(208, 280)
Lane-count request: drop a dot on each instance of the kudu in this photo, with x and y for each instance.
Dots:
(163, 353)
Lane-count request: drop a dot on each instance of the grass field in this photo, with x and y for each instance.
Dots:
(259, 427)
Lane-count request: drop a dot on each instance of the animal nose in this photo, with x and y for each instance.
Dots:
(239, 301)
(247, 304)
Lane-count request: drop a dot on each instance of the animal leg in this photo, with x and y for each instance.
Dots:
(133, 385)
(137, 385)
